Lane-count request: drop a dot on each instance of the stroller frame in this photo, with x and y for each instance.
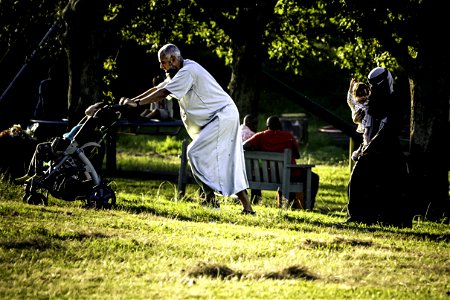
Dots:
(71, 175)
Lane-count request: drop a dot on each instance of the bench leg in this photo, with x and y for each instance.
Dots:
(308, 189)
(182, 172)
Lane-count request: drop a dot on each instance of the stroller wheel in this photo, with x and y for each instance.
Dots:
(35, 199)
(102, 197)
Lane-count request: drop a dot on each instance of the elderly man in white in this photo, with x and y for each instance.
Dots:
(211, 119)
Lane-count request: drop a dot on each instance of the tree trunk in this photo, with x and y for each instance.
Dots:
(245, 78)
(83, 44)
(429, 149)
(248, 53)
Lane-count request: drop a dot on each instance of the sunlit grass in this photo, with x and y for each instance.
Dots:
(154, 245)
(147, 154)
(150, 247)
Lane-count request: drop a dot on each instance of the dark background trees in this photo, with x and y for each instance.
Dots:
(24, 24)
(315, 46)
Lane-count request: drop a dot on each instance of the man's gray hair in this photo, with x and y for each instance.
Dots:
(169, 50)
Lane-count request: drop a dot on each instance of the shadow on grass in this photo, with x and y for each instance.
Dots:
(197, 213)
(223, 272)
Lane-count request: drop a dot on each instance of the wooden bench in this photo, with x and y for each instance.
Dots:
(272, 171)
(265, 171)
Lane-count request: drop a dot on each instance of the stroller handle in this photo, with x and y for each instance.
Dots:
(116, 108)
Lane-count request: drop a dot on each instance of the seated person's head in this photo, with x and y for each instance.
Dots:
(273, 123)
(250, 122)
(361, 92)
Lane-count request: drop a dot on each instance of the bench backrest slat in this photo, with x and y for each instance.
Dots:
(266, 168)
(272, 171)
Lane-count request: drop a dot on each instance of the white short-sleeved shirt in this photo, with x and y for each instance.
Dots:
(200, 96)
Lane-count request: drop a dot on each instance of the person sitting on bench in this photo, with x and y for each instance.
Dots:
(274, 139)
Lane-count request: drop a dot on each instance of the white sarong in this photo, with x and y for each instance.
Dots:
(216, 155)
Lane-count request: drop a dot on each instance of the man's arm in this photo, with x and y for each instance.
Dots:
(155, 96)
(144, 94)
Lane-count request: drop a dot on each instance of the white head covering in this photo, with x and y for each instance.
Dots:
(378, 75)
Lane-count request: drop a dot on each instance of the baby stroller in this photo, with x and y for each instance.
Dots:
(69, 173)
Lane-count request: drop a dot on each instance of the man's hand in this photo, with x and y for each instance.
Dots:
(127, 101)
(91, 110)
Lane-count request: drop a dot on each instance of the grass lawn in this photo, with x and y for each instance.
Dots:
(155, 246)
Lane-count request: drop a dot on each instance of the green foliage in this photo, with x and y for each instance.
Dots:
(109, 66)
(352, 35)
(294, 31)
(337, 32)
